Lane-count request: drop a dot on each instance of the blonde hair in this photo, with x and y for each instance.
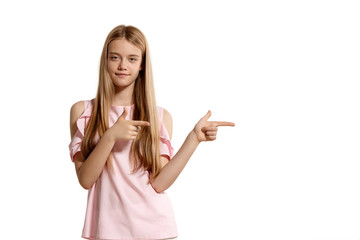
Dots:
(145, 151)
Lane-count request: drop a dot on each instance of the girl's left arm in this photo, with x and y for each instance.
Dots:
(204, 130)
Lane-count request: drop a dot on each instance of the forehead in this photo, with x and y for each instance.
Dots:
(123, 47)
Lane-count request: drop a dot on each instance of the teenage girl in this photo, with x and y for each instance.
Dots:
(120, 145)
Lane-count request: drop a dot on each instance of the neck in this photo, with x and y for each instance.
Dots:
(123, 96)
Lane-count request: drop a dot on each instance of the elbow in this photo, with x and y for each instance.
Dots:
(159, 188)
(85, 184)
(84, 181)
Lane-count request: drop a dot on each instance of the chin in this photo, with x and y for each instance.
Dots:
(118, 84)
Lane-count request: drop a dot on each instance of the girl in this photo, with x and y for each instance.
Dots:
(121, 146)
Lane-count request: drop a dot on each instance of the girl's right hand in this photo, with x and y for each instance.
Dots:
(126, 129)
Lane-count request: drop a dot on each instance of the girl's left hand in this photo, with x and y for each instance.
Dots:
(206, 130)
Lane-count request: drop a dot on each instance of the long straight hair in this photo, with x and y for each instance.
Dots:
(145, 151)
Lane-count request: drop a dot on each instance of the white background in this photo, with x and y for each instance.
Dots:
(285, 72)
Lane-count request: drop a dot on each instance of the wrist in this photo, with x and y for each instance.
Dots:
(193, 137)
(108, 135)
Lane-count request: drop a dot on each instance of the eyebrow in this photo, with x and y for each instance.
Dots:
(132, 55)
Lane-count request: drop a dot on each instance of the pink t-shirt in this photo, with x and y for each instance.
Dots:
(121, 204)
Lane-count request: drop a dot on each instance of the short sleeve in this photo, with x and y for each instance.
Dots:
(75, 143)
(165, 142)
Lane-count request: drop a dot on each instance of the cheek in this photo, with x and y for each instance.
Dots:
(111, 67)
(133, 68)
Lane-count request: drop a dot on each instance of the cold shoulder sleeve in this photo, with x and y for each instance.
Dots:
(165, 142)
(75, 143)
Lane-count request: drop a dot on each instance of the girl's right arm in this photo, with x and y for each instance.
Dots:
(89, 170)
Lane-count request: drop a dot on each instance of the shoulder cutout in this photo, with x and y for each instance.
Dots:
(75, 112)
(168, 122)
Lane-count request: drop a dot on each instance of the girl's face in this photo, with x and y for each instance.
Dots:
(124, 63)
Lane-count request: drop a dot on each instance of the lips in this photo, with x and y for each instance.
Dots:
(121, 74)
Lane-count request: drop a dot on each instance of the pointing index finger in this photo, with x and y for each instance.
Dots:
(140, 123)
(231, 124)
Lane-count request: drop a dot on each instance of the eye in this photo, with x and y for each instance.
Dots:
(114, 58)
(133, 59)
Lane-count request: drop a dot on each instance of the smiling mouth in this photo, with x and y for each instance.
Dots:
(121, 74)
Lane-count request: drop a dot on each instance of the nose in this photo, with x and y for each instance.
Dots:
(122, 65)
